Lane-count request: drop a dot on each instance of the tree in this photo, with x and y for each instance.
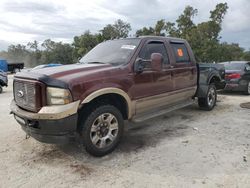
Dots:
(145, 31)
(185, 23)
(203, 37)
(119, 29)
(160, 28)
(122, 28)
(56, 52)
(17, 53)
(246, 56)
(84, 43)
(34, 51)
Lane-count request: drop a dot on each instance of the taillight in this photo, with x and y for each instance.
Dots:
(233, 76)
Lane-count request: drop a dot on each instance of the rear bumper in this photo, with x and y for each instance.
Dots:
(236, 85)
(54, 129)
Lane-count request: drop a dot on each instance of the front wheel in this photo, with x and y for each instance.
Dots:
(102, 130)
(209, 102)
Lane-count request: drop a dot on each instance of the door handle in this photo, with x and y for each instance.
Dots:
(171, 66)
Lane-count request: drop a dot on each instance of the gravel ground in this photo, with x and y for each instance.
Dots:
(185, 148)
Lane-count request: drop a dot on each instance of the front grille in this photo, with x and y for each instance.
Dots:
(26, 93)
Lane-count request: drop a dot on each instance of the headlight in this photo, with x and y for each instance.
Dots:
(58, 96)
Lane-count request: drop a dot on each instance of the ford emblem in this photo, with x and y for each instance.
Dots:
(20, 94)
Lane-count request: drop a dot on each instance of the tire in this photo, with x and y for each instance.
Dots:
(102, 130)
(248, 89)
(1, 89)
(209, 102)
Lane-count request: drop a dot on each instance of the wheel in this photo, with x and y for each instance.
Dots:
(102, 129)
(1, 89)
(210, 100)
(248, 89)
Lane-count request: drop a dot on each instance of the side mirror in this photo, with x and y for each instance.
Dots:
(156, 61)
(139, 65)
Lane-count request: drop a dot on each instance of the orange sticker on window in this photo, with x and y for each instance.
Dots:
(180, 52)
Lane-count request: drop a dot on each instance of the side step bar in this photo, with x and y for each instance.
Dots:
(161, 111)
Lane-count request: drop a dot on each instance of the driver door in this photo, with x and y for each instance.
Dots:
(150, 87)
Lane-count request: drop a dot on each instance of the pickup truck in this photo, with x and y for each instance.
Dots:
(130, 79)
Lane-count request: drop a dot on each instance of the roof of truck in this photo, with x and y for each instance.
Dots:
(171, 39)
(160, 37)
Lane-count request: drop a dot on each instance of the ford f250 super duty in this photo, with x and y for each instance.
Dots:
(127, 79)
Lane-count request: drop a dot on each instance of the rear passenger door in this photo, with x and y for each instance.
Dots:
(184, 69)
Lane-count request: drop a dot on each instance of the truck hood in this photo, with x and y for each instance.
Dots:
(66, 70)
(63, 76)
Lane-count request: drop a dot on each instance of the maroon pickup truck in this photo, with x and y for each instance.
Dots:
(128, 79)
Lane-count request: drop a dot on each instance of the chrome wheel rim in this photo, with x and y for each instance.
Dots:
(211, 97)
(104, 130)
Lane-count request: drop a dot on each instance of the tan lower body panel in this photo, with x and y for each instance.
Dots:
(170, 98)
(48, 112)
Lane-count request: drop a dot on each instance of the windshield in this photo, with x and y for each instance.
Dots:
(234, 66)
(115, 52)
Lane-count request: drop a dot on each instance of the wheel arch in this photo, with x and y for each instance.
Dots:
(111, 93)
(216, 80)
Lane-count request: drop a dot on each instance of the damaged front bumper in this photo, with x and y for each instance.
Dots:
(52, 124)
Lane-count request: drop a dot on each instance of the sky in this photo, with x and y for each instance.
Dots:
(23, 21)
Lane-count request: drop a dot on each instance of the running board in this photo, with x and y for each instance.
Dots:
(161, 111)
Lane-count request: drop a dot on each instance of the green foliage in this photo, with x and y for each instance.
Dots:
(56, 52)
(203, 37)
(246, 56)
(82, 44)
(51, 52)
(160, 27)
(119, 29)
(145, 31)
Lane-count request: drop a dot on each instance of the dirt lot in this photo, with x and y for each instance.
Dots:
(186, 148)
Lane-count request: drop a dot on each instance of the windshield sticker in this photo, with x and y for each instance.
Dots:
(180, 52)
(129, 47)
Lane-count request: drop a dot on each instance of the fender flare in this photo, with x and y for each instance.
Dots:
(111, 90)
(211, 76)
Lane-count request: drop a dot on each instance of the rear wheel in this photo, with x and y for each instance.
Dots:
(1, 89)
(102, 130)
(210, 100)
(248, 89)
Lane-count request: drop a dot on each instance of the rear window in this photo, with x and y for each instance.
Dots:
(181, 53)
(234, 66)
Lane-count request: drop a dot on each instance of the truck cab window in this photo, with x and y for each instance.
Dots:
(154, 47)
(180, 52)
